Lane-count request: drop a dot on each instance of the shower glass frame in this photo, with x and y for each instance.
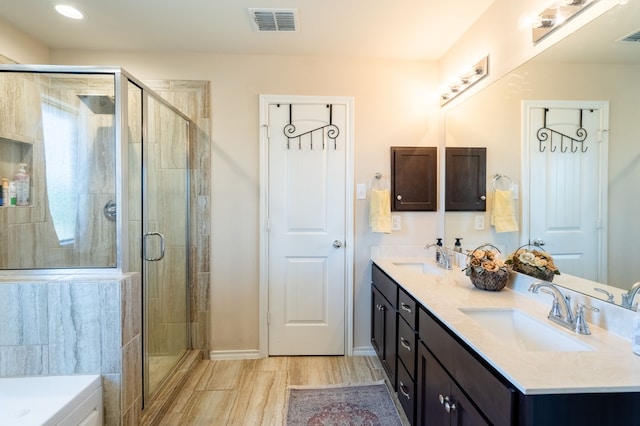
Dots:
(121, 84)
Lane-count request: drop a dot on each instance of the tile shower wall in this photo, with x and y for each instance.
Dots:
(76, 325)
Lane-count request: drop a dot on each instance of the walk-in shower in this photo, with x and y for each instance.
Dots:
(109, 191)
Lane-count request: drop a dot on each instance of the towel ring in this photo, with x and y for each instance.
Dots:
(379, 182)
(498, 177)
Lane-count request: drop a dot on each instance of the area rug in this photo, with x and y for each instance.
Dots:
(348, 405)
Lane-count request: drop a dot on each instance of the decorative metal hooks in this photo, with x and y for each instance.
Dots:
(332, 131)
(546, 134)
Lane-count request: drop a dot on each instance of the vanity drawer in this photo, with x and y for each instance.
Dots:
(385, 285)
(492, 396)
(406, 392)
(407, 307)
(407, 340)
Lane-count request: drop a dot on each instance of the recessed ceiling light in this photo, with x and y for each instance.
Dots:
(69, 11)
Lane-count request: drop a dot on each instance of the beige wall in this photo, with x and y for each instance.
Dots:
(20, 47)
(395, 104)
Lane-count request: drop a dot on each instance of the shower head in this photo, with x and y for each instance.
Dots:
(99, 104)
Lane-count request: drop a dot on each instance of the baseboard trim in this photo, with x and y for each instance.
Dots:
(364, 351)
(255, 354)
(232, 355)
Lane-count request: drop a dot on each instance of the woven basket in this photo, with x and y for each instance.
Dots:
(487, 280)
(532, 271)
(491, 281)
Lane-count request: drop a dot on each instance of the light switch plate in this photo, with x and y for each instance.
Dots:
(396, 223)
(361, 191)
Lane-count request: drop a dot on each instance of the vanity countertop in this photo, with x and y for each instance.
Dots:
(610, 367)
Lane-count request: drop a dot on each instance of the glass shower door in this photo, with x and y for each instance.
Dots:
(165, 236)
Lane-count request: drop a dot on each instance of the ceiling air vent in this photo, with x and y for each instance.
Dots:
(274, 19)
(632, 38)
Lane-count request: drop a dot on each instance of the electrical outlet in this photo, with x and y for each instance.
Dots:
(396, 223)
(361, 191)
(479, 225)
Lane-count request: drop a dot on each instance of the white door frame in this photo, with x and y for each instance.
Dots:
(265, 100)
(603, 169)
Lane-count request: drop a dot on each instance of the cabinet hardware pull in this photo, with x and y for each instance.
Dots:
(450, 406)
(405, 344)
(441, 399)
(380, 307)
(405, 307)
(403, 391)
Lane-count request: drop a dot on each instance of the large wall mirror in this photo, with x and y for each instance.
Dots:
(591, 65)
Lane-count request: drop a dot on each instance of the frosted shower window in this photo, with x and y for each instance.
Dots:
(60, 152)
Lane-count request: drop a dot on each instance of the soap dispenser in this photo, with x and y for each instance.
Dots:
(438, 243)
(458, 246)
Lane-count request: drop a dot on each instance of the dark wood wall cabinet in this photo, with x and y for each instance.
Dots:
(414, 178)
(465, 179)
(441, 380)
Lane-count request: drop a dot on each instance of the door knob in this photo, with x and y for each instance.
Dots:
(337, 244)
(538, 242)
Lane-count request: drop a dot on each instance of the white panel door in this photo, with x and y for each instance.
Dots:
(565, 189)
(306, 217)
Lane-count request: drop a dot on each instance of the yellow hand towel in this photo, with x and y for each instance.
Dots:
(380, 211)
(502, 215)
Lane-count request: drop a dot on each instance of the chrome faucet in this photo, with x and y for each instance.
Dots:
(563, 315)
(561, 312)
(444, 260)
(627, 298)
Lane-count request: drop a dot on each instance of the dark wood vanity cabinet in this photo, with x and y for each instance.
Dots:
(440, 380)
(455, 385)
(439, 400)
(404, 336)
(384, 322)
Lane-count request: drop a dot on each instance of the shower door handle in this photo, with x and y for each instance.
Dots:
(144, 246)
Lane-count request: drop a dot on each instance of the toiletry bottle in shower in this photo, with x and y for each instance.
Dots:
(458, 246)
(22, 185)
(5, 192)
(12, 193)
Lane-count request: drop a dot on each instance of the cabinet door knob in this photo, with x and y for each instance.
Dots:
(398, 197)
(405, 307)
(483, 197)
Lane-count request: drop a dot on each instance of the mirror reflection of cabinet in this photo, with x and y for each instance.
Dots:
(414, 179)
(466, 179)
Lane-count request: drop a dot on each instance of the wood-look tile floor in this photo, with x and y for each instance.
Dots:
(254, 392)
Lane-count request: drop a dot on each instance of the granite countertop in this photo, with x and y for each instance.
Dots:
(610, 367)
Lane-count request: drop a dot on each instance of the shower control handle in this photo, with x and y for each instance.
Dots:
(144, 246)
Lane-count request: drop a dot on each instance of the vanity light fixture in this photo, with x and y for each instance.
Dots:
(555, 15)
(69, 11)
(479, 70)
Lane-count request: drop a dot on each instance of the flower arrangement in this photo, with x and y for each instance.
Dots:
(536, 263)
(486, 269)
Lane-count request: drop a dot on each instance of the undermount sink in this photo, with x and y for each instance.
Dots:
(423, 267)
(518, 328)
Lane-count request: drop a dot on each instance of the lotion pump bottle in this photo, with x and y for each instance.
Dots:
(458, 246)
(22, 186)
